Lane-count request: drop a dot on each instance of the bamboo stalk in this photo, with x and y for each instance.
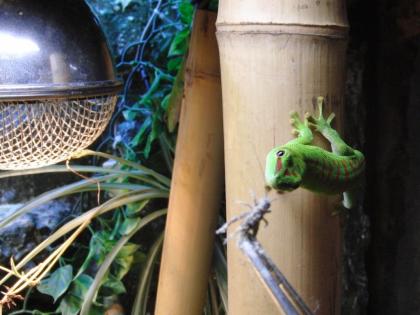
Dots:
(197, 183)
(277, 56)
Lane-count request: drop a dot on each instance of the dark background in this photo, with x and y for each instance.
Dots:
(383, 92)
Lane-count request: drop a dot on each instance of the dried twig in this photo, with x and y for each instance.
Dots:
(282, 291)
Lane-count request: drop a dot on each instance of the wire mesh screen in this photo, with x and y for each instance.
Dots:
(42, 132)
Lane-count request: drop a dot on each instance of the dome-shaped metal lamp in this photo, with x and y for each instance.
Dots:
(57, 83)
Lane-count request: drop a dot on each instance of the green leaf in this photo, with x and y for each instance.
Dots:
(99, 246)
(175, 99)
(139, 136)
(186, 11)
(122, 265)
(115, 285)
(129, 225)
(129, 249)
(57, 283)
(154, 133)
(135, 208)
(175, 63)
(179, 44)
(70, 305)
(81, 285)
(72, 301)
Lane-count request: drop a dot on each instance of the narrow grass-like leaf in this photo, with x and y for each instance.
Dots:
(163, 179)
(111, 204)
(135, 174)
(53, 194)
(140, 302)
(212, 296)
(220, 266)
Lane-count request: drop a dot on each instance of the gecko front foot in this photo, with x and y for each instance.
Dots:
(321, 124)
(301, 128)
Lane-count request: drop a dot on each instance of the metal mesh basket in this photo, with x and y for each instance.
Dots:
(57, 81)
(46, 131)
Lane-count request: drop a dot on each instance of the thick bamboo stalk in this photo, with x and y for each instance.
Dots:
(277, 56)
(197, 183)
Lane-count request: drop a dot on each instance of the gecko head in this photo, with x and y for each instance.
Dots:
(284, 169)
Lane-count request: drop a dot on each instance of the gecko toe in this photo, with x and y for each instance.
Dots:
(294, 118)
(330, 118)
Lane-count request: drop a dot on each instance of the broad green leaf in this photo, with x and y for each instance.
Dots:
(72, 301)
(153, 135)
(179, 44)
(142, 131)
(97, 250)
(122, 265)
(80, 285)
(128, 249)
(70, 305)
(186, 10)
(129, 225)
(174, 63)
(113, 284)
(57, 283)
(135, 208)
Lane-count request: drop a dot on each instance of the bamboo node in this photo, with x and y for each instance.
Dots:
(335, 31)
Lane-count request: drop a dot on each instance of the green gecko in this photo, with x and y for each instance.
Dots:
(298, 163)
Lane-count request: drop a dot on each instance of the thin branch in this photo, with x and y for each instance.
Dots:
(283, 293)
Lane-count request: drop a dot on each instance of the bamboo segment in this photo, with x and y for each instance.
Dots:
(197, 183)
(277, 56)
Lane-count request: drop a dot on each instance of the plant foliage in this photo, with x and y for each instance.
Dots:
(150, 40)
(149, 65)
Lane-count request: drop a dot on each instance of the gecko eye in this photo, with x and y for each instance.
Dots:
(280, 153)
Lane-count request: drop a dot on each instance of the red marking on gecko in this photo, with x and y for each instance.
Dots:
(337, 176)
(346, 172)
(279, 165)
(330, 170)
